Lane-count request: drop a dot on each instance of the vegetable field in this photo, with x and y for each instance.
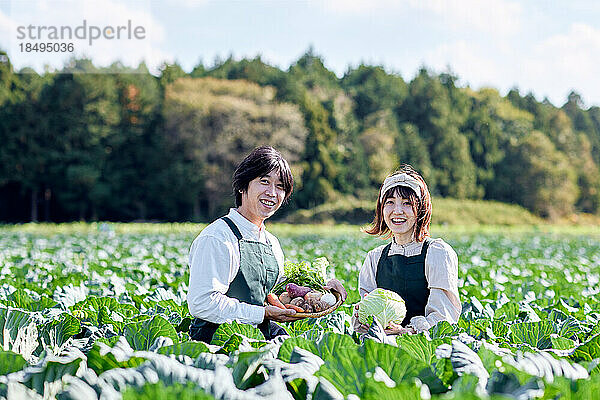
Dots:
(99, 312)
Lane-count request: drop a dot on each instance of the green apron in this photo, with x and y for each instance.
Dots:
(256, 277)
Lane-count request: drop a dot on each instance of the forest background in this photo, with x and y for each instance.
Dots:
(84, 144)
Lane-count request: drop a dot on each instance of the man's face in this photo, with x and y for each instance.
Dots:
(264, 196)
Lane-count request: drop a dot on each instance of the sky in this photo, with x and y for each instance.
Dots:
(548, 47)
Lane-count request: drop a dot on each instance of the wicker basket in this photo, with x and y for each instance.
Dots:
(338, 302)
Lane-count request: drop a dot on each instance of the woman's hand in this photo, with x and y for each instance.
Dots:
(279, 314)
(338, 287)
(358, 327)
(396, 329)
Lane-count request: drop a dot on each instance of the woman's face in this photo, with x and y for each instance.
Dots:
(399, 217)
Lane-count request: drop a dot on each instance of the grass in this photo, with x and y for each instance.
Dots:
(287, 230)
(446, 211)
(480, 212)
(349, 215)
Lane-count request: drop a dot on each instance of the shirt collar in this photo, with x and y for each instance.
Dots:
(246, 227)
(405, 245)
(404, 248)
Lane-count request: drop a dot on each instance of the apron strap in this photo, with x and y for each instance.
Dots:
(425, 247)
(236, 230)
(233, 227)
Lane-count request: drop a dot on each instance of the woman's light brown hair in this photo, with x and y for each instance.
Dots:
(421, 208)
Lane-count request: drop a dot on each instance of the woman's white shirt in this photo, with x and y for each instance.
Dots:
(441, 272)
(214, 262)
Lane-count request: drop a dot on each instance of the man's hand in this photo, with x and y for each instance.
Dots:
(337, 286)
(279, 314)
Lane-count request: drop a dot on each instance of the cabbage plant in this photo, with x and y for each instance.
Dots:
(384, 305)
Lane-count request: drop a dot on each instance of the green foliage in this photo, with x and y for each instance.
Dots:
(230, 336)
(191, 349)
(304, 274)
(91, 143)
(234, 117)
(58, 331)
(99, 311)
(588, 351)
(445, 211)
(413, 150)
(377, 139)
(530, 318)
(373, 89)
(535, 334)
(319, 156)
(10, 362)
(534, 162)
(12, 321)
(152, 391)
(100, 362)
(142, 335)
(21, 299)
(438, 109)
(52, 369)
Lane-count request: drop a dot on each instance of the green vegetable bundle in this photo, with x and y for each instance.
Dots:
(304, 274)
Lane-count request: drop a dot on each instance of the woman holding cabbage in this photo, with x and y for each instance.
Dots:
(421, 270)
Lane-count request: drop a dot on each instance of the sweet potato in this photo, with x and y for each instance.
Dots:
(285, 298)
(296, 291)
(273, 300)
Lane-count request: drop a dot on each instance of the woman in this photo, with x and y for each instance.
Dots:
(423, 271)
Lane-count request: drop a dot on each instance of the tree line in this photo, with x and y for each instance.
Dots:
(87, 143)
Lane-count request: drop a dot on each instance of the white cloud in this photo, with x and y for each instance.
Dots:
(357, 6)
(465, 60)
(564, 62)
(7, 26)
(72, 13)
(549, 68)
(188, 3)
(498, 17)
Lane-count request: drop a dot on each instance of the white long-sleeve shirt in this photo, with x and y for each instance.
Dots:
(441, 272)
(214, 262)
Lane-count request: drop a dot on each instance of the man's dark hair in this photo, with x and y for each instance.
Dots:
(261, 162)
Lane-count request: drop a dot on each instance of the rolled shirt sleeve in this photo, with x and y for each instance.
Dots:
(441, 271)
(214, 263)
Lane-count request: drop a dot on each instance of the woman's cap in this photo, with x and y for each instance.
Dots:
(400, 180)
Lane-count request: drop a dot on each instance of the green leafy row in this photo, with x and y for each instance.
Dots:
(104, 316)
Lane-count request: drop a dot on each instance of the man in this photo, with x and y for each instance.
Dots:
(235, 262)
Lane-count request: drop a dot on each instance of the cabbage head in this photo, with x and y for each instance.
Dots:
(384, 305)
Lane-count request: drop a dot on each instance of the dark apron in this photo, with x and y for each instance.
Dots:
(256, 277)
(405, 276)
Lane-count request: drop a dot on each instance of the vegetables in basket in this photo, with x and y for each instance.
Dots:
(302, 299)
(302, 287)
